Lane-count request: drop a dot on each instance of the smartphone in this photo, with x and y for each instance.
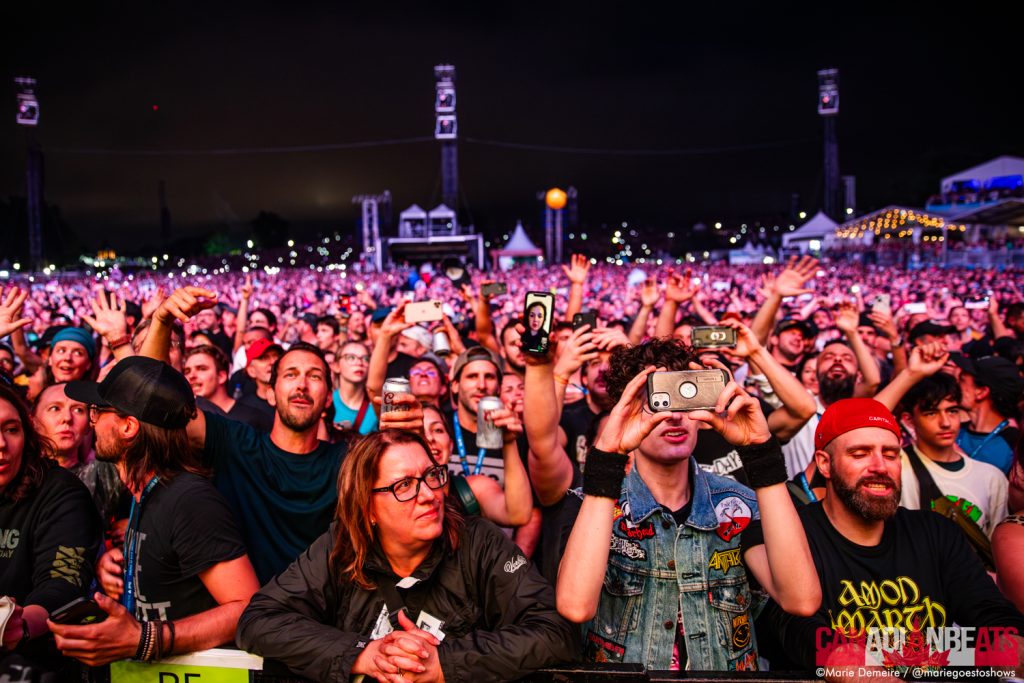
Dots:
(916, 307)
(585, 318)
(423, 311)
(713, 337)
(882, 303)
(80, 611)
(494, 289)
(977, 304)
(538, 312)
(685, 390)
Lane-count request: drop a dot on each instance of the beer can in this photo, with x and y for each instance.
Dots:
(392, 386)
(488, 435)
(441, 345)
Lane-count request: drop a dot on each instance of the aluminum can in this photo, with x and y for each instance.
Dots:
(487, 435)
(392, 386)
(442, 347)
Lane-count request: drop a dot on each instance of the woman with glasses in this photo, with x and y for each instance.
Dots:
(402, 587)
(49, 532)
(352, 408)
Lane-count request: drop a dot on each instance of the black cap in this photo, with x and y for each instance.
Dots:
(928, 327)
(309, 319)
(1000, 375)
(147, 389)
(795, 323)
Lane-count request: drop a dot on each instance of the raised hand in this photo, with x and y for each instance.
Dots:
(610, 338)
(410, 419)
(885, 323)
(509, 423)
(847, 318)
(577, 270)
(246, 290)
(737, 417)
(184, 303)
(927, 359)
(649, 293)
(746, 341)
(680, 288)
(630, 421)
(150, 305)
(575, 351)
(108, 317)
(395, 322)
(792, 280)
(10, 309)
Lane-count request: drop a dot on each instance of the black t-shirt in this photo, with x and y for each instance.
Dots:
(716, 455)
(401, 365)
(49, 542)
(494, 460)
(923, 566)
(556, 524)
(282, 501)
(184, 528)
(577, 419)
(253, 411)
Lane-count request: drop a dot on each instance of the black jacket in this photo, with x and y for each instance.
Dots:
(499, 617)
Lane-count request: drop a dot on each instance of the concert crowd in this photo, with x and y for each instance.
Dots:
(429, 474)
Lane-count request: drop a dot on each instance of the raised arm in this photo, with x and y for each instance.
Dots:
(11, 323)
(581, 572)
(925, 361)
(783, 565)
(871, 378)
(678, 289)
(512, 505)
(790, 282)
(242, 317)
(108, 320)
(550, 468)
(648, 299)
(392, 326)
(577, 274)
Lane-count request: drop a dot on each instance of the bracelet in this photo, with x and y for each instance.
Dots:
(763, 463)
(140, 651)
(564, 381)
(604, 473)
(119, 342)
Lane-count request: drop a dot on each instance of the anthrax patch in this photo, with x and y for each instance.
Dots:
(724, 560)
(627, 548)
(740, 631)
(733, 517)
(747, 662)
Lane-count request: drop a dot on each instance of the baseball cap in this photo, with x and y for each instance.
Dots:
(1001, 375)
(309, 319)
(475, 353)
(795, 323)
(848, 414)
(420, 335)
(145, 388)
(929, 327)
(77, 335)
(258, 348)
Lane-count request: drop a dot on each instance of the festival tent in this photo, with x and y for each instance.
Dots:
(820, 228)
(519, 246)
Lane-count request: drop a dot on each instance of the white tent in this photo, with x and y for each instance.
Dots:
(412, 222)
(519, 245)
(820, 228)
(996, 168)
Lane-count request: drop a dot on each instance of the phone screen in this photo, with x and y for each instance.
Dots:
(537, 316)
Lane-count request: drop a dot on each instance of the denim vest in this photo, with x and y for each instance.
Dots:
(654, 565)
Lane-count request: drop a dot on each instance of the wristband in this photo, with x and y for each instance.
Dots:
(564, 381)
(603, 475)
(763, 463)
(119, 342)
(140, 651)
(170, 644)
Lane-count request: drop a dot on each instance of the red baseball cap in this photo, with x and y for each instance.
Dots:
(258, 348)
(853, 413)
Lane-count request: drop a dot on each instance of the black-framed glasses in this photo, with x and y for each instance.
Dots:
(408, 488)
(95, 410)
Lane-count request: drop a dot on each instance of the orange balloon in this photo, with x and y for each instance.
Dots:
(555, 199)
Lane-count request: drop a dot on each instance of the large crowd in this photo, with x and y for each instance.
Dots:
(328, 470)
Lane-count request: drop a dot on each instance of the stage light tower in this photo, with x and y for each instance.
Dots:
(28, 118)
(446, 130)
(828, 108)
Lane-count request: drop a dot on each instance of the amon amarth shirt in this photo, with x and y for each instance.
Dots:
(922, 574)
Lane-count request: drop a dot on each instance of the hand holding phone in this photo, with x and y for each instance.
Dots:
(538, 312)
(423, 311)
(78, 612)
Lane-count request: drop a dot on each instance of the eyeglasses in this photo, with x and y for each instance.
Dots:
(352, 358)
(425, 372)
(408, 488)
(94, 412)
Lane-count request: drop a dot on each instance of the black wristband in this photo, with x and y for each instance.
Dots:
(603, 474)
(763, 463)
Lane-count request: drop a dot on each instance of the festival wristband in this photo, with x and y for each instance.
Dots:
(604, 473)
(763, 463)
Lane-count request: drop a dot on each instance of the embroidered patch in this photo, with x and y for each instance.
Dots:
(602, 650)
(748, 662)
(740, 631)
(733, 517)
(626, 548)
(724, 560)
(636, 531)
(512, 565)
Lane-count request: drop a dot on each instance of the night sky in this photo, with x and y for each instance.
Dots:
(923, 94)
